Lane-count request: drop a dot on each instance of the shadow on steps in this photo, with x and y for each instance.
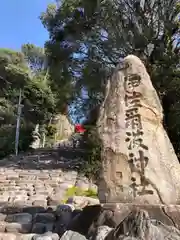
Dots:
(45, 159)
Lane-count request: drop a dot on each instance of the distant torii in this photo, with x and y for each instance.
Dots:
(79, 128)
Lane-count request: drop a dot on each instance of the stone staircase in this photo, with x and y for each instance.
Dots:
(39, 177)
(32, 187)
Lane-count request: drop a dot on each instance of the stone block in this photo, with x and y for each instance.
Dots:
(167, 214)
(24, 218)
(81, 201)
(26, 236)
(2, 216)
(4, 182)
(73, 236)
(41, 192)
(138, 224)
(39, 228)
(4, 198)
(43, 177)
(12, 176)
(34, 209)
(2, 226)
(27, 176)
(27, 182)
(49, 190)
(42, 203)
(44, 217)
(18, 203)
(64, 214)
(47, 236)
(17, 198)
(39, 188)
(64, 208)
(56, 177)
(65, 185)
(87, 218)
(9, 193)
(2, 177)
(49, 227)
(10, 209)
(37, 197)
(16, 227)
(51, 184)
(7, 236)
(55, 199)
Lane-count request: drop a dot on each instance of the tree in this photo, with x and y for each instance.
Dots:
(37, 99)
(89, 38)
(35, 57)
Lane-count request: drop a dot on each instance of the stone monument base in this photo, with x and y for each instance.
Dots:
(167, 214)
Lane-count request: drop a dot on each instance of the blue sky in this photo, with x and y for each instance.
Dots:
(19, 23)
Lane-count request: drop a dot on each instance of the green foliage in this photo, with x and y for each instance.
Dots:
(76, 191)
(12, 57)
(7, 139)
(7, 134)
(92, 158)
(38, 100)
(51, 130)
(34, 56)
(87, 40)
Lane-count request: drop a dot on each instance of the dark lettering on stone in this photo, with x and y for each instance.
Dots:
(135, 138)
(137, 133)
(131, 113)
(143, 161)
(144, 184)
(132, 166)
(144, 181)
(135, 79)
(136, 191)
(119, 175)
(133, 119)
(132, 81)
(132, 99)
(135, 141)
(138, 164)
(134, 187)
(132, 102)
(145, 192)
(119, 188)
(133, 179)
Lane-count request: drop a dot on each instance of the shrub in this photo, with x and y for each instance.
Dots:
(92, 159)
(76, 191)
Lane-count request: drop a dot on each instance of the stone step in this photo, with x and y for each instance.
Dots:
(32, 185)
(30, 222)
(31, 236)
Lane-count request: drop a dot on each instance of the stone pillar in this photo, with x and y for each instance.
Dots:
(37, 138)
(64, 128)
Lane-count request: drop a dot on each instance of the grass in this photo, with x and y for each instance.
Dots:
(75, 191)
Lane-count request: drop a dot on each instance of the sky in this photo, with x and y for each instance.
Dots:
(19, 23)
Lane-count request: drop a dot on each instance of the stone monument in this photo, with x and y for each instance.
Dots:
(139, 164)
(36, 138)
(64, 129)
